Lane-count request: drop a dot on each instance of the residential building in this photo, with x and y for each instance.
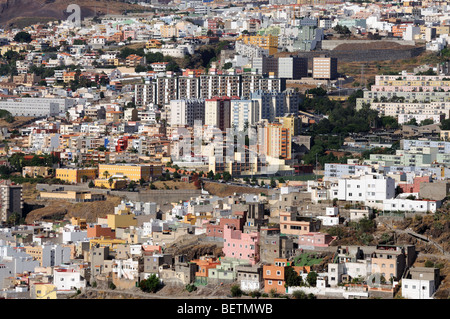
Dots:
(324, 68)
(241, 245)
(11, 201)
(217, 112)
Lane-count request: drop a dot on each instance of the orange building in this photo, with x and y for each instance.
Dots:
(204, 264)
(398, 30)
(97, 231)
(275, 275)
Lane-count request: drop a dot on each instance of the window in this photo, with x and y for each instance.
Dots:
(267, 272)
(280, 282)
(278, 273)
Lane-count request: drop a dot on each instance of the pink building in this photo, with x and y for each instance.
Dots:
(241, 245)
(315, 239)
(214, 230)
(415, 186)
(129, 34)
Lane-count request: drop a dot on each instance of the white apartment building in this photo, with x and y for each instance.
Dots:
(24, 107)
(72, 234)
(417, 288)
(442, 147)
(418, 109)
(408, 205)
(187, 112)
(68, 279)
(371, 189)
(337, 170)
(144, 94)
(244, 113)
(355, 269)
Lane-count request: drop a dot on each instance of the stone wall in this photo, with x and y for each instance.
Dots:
(365, 55)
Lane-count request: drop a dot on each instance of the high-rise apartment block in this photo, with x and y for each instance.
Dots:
(324, 68)
(11, 201)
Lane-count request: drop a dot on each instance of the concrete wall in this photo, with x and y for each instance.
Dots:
(365, 55)
(332, 44)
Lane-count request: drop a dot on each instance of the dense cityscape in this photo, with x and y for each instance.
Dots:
(245, 150)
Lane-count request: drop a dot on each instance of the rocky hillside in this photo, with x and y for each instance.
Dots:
(26, 12)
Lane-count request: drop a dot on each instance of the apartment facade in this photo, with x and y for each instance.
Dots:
(324, 68)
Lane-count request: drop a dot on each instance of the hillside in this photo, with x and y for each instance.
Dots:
(19, 13)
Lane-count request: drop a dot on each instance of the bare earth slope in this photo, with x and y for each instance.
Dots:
(14, 12)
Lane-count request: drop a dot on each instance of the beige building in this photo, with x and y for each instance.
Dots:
(168, 31)
(324, 68)
(72, 196)
(34, 171)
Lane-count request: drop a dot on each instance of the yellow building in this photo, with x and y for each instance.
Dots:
(153, 44)
(44, 291)
(113, 116)
(134, 172)
(168, 31)
(290, 122)
(76, 175)
(123, 219)
(106, 242)
(189, 219)
(268, 42)
(35, 252)
(445, 135)
(80, 222)
(34, 171)
(277, 141)
(442, 29)
(115, 183)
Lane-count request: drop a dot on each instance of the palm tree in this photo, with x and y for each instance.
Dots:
(110, 182)
(106, 174)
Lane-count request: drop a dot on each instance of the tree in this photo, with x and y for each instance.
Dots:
(210, 175)
(22, 36)
(151, 284)
(190, 287)
(273, 184)
(131, 186)
(226, 176)
(445, 124)
(426, 122)
(14, 219)
(110, 182)
(292, 278)
(299, 294)
(91, 184)
(311, 278)
(227, 66)
(106, 174)
(236, 291)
